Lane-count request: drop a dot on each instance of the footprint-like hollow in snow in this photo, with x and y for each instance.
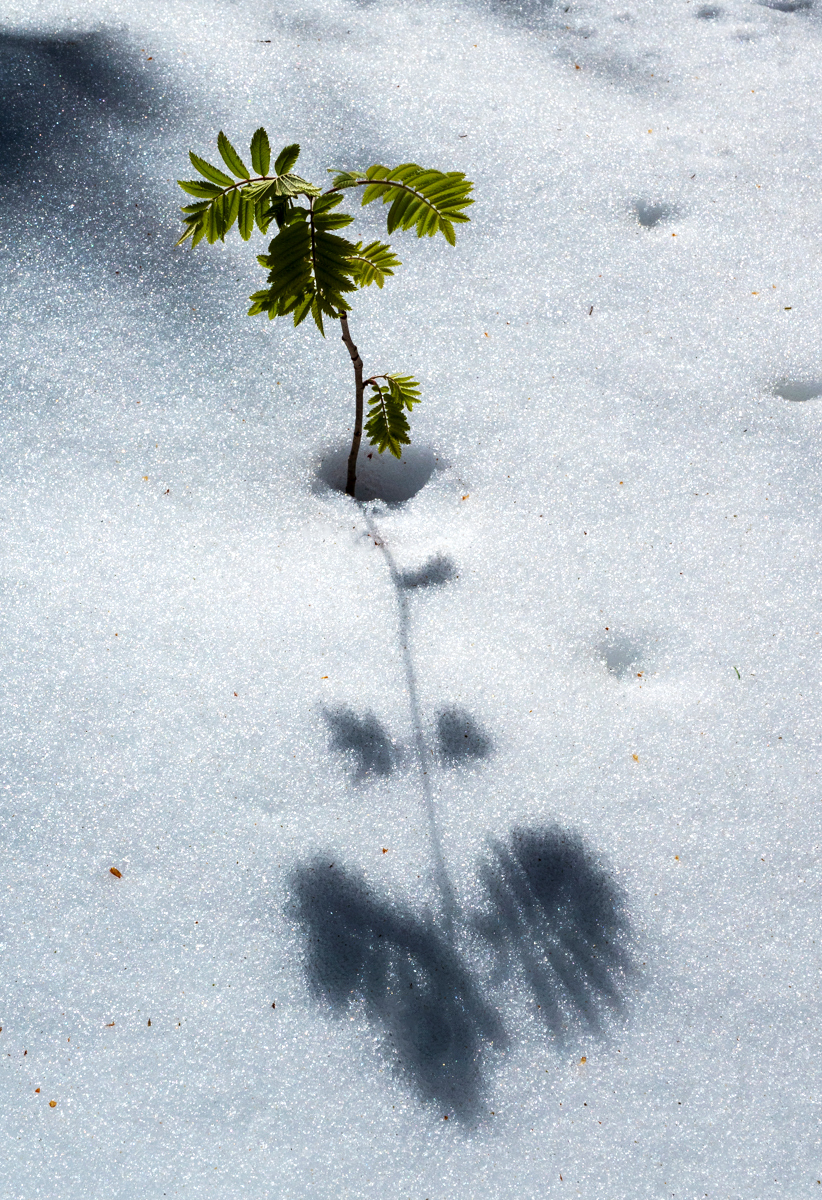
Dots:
(362, 740)
(650, 213)
(787, 6)
(460, 737)
(789, 389)
(439, 569)
(621, 655)
(708, 12)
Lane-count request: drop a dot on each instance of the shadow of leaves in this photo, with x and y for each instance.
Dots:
(555, 918)
(411, 981)
(363, 740)
(438, 570)
(460, 737)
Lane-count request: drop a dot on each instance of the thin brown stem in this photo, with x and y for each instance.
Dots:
(359, 387)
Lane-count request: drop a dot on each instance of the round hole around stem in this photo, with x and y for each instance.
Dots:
(380, 476)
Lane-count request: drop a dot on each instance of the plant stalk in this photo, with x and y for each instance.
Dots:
(359, 387)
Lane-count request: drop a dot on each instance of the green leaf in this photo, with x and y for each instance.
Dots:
(260, 190)
(345, 179)
(294, 185)
(212, 224)
(387, 426)
(325, 203)
(245, 217)
(196, 187)
(261, 216)
(289, 261)
(230, 156)
(302, 309)
(210, 172)
(278, 212)
(322, 212)
(372, 263)
(285, 159)
(338, 220)
(232, 209)
(286, 186)
(260, 152)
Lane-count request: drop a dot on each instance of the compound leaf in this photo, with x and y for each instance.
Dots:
(387, 426)
(430, 201)
(404, 389)
(372, 263)
(309, 269)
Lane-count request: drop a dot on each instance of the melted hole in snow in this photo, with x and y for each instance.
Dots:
(787, 6)
(381, 476)
(649, 214)
(621, 656)
(790, 390)
(708, 13)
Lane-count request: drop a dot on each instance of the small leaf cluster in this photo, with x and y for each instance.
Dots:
(255, 198)
(387, 425)
(312, 269)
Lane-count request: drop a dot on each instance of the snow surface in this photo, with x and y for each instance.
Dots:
(554, 719)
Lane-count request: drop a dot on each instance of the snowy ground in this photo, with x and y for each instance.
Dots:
(609, 584)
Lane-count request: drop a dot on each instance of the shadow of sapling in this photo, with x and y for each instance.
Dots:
(551, 916)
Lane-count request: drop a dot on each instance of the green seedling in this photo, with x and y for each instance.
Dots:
(311, 269)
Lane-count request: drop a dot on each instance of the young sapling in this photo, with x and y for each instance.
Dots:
(311, 269)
